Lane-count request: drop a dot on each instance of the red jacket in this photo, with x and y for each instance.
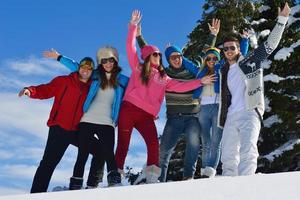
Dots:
(69, 95)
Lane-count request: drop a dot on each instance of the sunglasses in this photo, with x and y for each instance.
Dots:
(215, 59)
(155, 54)
(174, 57)
(105, 60)
(86, 67)
(232, 48)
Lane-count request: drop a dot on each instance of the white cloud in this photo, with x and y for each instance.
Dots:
(5, 154)
(35, 66)
(24, 114)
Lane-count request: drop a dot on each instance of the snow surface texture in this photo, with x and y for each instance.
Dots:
(260, 186)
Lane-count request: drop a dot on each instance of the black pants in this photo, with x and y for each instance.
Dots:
(57, 143)
(106, 136)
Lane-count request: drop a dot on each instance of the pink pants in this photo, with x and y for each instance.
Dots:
(133, 117)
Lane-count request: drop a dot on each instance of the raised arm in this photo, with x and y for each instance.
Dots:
(253, 60)
(214, 29)
(184, 86)
(244, 43)
(68, 62)
(130, 43)
(139, 37)
(43, 91)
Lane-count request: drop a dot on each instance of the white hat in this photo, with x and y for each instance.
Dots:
(107, 52)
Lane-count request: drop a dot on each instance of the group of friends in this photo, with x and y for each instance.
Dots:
(219, 103)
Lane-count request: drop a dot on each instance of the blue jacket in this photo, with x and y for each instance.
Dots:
(200, 73)
(119, 90)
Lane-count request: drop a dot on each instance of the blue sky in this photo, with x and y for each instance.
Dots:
(76, 29)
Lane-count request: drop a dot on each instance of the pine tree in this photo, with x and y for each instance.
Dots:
(282, 91)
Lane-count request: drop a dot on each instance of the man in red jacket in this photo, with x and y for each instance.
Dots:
(69, 94)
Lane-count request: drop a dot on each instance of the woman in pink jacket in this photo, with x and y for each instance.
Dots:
(143, 98)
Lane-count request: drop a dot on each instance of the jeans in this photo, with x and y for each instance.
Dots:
(176, 126)
(211, 135)
(57, 143)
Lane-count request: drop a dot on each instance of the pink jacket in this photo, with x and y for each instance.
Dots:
(150, 97)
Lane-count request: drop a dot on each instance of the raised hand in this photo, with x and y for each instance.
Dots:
(51, 54)
(285, 11)
(167, 45)
(136, 17)
(24, 91)
(214, 27)
(245, 34)
(209, 79)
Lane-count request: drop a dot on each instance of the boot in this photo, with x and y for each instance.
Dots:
(75, 183)
(202, 173)
(209, 172)
(141, 179)
(152, 174)
(113, 178)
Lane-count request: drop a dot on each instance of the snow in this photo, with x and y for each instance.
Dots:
(263, 8)
(266, 64)
(271, 120)
(273, 78)
(264, 33)
(285, 52)
(293, 19)
(257, 22)
(259, 186)
(253, 39)
(267, 104)
(279, 151)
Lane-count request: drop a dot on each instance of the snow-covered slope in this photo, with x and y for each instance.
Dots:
(260, 186)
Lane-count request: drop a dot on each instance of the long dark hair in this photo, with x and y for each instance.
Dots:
(147, 69)
(112, 82)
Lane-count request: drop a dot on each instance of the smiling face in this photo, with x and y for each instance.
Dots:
(175, 60)
(108, 64)
(211, 60)
(155, 58)
(85, 72)
(231, 51)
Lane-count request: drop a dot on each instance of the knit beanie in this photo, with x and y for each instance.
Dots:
(170, 50)
(107, 52)
(213, 50)
(87, 61)
(148, 50)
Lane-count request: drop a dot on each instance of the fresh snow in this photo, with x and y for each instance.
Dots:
(264, 33)
(279, 151)
(273, 78)
(293, 19)
(285, 52)
(259, 186)
(257, 22)
(266, 64)
(271, 120)
(263, 8)
(267, 104)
